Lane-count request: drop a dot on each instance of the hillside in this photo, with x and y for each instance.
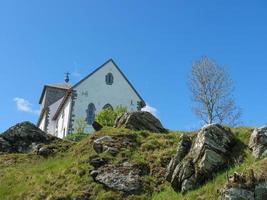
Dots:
(66, 173)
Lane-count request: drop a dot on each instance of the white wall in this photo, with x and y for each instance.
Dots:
(99, 93)
(62, 122)
(51, 123)
(42, 123)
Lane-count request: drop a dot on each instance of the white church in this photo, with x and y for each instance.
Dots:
(62, 104)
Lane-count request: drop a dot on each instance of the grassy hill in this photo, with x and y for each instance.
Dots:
(66, 175)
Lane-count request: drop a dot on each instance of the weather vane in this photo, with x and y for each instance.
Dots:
(67, 79)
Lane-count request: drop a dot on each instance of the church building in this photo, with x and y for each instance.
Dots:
(62, 104)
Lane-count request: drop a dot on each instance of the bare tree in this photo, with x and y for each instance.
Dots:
(212, 90)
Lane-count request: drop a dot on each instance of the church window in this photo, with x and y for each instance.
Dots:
(108, 106)
(109, 79)
(90, 113)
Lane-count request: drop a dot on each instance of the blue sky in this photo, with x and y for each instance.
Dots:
(153, 42)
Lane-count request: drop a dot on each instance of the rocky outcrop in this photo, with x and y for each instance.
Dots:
(139, 120)
(113, 144)
(124, 177)
(194, 164)
(183, 148)
(258, 142)
(245, 187)
(23, 138)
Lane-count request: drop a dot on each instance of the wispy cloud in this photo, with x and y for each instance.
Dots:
(24, 105)
(76, 72)
(150, 109)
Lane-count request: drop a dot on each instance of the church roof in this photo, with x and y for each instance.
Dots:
(61, 105)
(61, 86)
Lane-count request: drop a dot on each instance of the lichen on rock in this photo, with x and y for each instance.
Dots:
(139, 120)
(258, 142)
(195, 164)
(23, 138)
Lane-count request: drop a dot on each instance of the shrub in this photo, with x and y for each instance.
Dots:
(80, 125)
(107, 116)
(76, 137)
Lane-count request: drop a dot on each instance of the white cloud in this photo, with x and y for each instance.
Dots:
(150, 109)
(24, 105)
(76, 73)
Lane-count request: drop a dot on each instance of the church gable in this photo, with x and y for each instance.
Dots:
(107, 85)
(110, 73)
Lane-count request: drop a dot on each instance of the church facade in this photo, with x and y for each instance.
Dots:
(62, 105)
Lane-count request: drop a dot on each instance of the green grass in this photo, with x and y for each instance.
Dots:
(66, 174)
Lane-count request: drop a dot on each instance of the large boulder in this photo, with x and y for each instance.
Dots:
(124, 177)
(194, 164)
(139, 120)
(23, 138)
(258, 142)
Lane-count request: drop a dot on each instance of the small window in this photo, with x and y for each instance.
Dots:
(90, 113)
(109, 79)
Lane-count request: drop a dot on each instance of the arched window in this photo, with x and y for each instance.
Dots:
(109, 79)
(108, 106)
(90, 113)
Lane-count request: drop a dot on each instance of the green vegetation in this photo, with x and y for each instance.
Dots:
(107, 116)
(80, 126)
(67, 173)
(76, 137)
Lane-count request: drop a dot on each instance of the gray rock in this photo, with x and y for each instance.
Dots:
(44, 151)
(5, 145)
(94, 173)
(23, 138)
(97, 162)
(195, 164)
(258, 142)
(237, 194)
(261, 191)
(113, 144)
(139, 120)
(241, 191)
(98, 143)
(248, 187)
(124, 177)
(113, 151)
(106, 138)
(183, 148)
